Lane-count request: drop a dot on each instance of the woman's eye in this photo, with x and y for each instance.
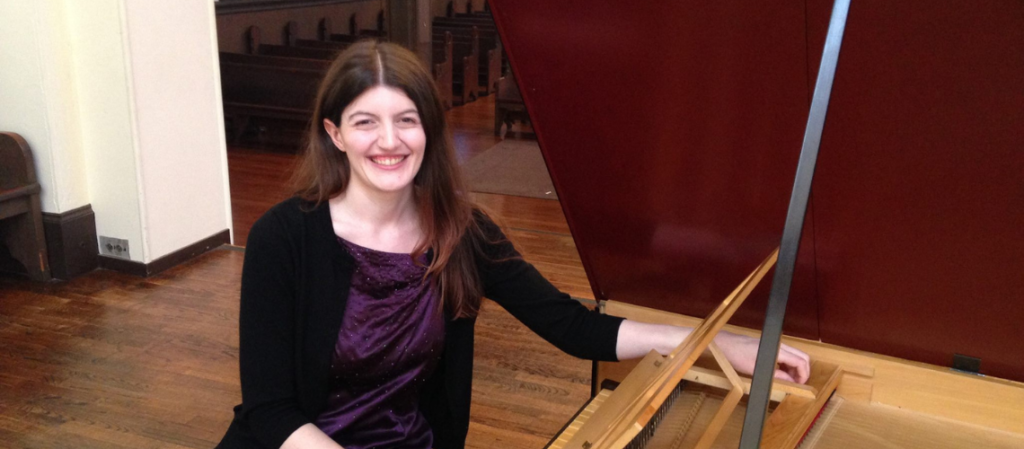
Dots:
(363, 122)
(409, 120)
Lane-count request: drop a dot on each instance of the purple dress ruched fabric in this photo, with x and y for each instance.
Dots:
(390, 342)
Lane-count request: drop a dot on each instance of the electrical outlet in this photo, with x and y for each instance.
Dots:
(110, 246)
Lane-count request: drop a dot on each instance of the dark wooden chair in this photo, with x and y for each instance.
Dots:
(21, 218)
(508, 105)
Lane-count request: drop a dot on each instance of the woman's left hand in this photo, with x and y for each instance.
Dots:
(636, 339)
(793, 364)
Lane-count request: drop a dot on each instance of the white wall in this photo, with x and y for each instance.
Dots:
(105, 105)
(37, 94)
(182, 154)
(120, 101)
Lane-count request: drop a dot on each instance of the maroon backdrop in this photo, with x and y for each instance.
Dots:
(672, 130)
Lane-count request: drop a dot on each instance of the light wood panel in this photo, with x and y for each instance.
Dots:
(710, 433)
(863, 425)
(881, 380)
(789, 422)
(577, 422)
(645, 389)
(683, 425)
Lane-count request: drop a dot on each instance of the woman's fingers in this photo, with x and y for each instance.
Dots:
(780, 374)
(799, 366)
(793, 364)
(798, 352)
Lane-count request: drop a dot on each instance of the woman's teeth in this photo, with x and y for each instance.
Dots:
(389, 160)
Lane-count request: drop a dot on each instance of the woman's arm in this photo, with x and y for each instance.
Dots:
(267, 332)
(519, 288)
(636, 339)
(309, 437)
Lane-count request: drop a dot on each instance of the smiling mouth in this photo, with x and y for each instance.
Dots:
(387, 160)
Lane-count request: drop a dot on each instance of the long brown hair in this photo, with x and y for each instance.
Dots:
(445, 211)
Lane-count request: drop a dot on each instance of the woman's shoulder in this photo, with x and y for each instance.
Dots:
(492, 243)
(285, 217)
(294, 208)
(487, 225)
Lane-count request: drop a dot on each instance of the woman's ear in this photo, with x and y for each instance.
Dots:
(335, 133)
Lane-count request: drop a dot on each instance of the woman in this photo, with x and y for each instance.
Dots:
(359, 294)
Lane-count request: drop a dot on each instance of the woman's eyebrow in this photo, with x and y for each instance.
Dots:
(412, 110)
(361, 112)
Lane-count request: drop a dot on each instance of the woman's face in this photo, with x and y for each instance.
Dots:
(382, 135)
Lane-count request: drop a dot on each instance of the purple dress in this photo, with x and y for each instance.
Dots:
(390, 341)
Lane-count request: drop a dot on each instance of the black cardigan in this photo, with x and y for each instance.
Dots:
(295, 282)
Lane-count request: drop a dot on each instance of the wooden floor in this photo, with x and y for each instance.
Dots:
(114, 361)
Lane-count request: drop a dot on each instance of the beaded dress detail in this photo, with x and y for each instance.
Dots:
(390, 341)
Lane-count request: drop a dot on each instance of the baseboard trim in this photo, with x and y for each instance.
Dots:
(71, 242)
(166, 262)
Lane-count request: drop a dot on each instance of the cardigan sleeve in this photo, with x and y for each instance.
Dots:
(267, 334)
(518, 287)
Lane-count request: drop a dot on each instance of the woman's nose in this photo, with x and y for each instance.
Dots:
(387, 139)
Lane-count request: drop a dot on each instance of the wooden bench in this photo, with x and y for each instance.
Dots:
(323, 45)
(326, 32)
(292, 39)
(443, 70)
(21, 216)
(270, 87)
(465, 67)
(256, 47)
(451, 8)
(345, 38)
(492, 61)
(470, 18)
(508, 105)
(379, 32)
(276, 61)
(489, 63)
(485, 14)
